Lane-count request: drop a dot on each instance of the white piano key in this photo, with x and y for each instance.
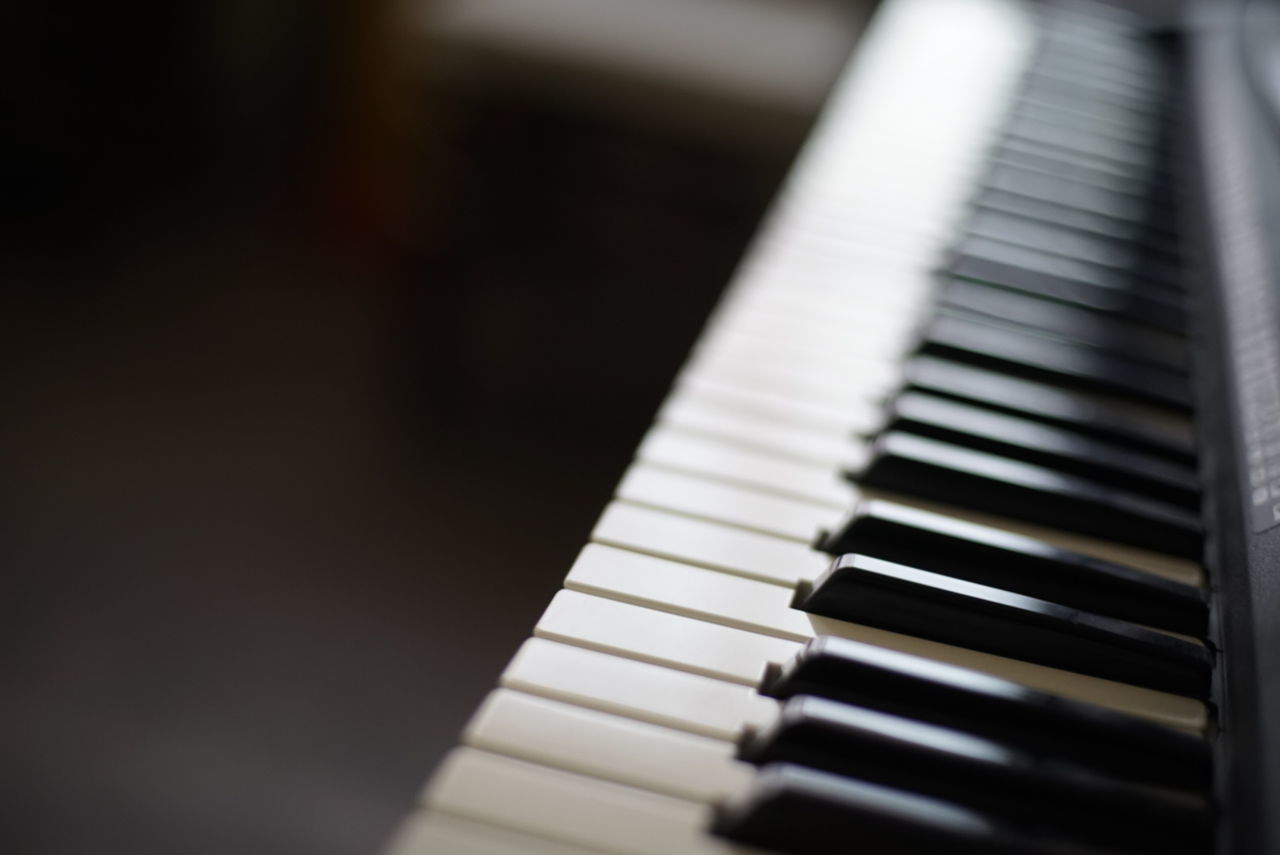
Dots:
(891, 328)
(871, 372)
(432, 833)
(669, 448)
(693, 591)
(662, 638)
(607, 746)
(874, 347)
(705, 544)
(763, 432)
(729, 393)
(698, 593)
(848, 411)
(845, 386)
(640, 690)
(698, 497)
(573, 808)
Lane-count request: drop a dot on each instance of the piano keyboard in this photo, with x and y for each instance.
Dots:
(824, 611)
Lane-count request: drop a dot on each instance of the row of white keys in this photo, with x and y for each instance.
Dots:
(613, 730)
(696, 596)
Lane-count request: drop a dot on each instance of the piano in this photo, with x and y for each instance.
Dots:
(958, 530)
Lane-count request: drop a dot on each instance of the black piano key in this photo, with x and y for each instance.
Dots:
(907, 600)
(800, 811)
(1007, 349)
(1003, 559)
(1089, 329)
(1060, 86)
(1035, 265)
(1114, 257)
(1046, 404)
(1011, 152)
(1022, 439)
(1104, 170)
(943, 472)
(1007, 269)
(1082, 142)
(1103, 740)
(1013, 786)
(1119, 202)
(1148, 240)
(1112, 124)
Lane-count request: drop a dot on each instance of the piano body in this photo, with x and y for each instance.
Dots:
(957, 531)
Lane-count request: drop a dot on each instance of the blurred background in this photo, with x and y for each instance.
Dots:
(327, 329)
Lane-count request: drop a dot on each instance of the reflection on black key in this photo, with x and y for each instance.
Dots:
(1113, 301)
(991, 556)
(1046, 404)
(1105, 256)
(1019, 788)
(1081, 327)
(913, 465)
(1030, 160)
(915, 687)
(1125, 203)
(1148, 240)
(915, 602)
(803, 812)
(1006, 349)
(1022, 439)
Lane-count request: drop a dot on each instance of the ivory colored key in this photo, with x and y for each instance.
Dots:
(719, 547)
(798, 411)
(711, 596)
(662, 638)
(666, 447)
(757, 431)
(572, 808)
(433, 833)
(639, 690)
(753, 378)
(607, 746)
(874, 340)
(726, 503)
(845, 384)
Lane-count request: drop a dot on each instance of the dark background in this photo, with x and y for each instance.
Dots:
(315, 377)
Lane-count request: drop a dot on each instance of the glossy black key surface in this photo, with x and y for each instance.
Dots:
(1007, 349)
(1100, 170)
(1022, 439)
(1109, 123)
(1066, 323)
(1036, 266)
(914, 465)
(1110, 256)
(804, 812)
(1103, 740)
(1146, 239)
(907, 600)
(1118, 202)
(1011, 152)
(1006, 560)
(1017, 787)
(1005, 271)
(1046, 404)
(1082, 142)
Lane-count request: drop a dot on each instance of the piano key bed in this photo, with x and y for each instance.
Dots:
(909, 561)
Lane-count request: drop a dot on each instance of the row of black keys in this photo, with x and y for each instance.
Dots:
(1057, 358)
(903, 754)
(1063, 299)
